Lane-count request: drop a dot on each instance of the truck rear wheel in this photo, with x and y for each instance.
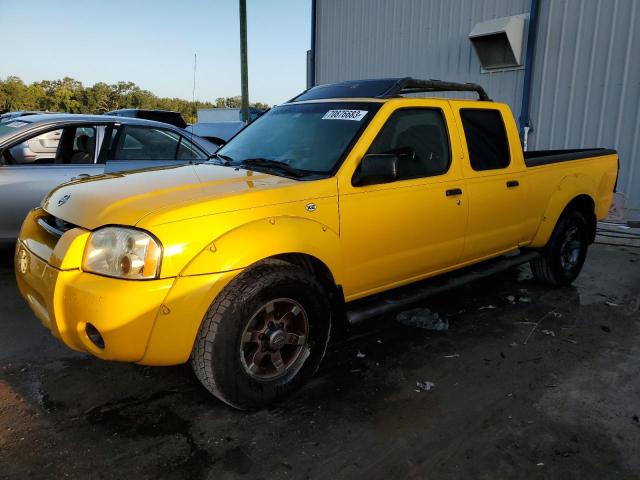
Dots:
(264, 336)
(561, 261)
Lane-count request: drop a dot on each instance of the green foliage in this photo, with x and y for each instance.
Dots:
(69, 95)
(236, 102)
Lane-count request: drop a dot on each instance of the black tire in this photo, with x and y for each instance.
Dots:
(561, 260)
(219, 352)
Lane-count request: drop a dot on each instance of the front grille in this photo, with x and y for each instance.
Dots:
(55, 226)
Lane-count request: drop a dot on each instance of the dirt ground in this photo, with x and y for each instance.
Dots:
(564, 404)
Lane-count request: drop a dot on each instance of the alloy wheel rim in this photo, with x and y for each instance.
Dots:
(274, 341)
(570, 249)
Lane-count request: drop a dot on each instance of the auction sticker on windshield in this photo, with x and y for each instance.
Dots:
(356, 115)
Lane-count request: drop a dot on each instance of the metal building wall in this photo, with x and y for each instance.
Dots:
(586, 82)
(586, 74)
(421, 38)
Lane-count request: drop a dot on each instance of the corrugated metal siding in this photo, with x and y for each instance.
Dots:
(586, 85)
(425, 39)
(586, 82)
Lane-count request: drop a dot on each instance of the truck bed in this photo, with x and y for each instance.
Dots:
(535, 158)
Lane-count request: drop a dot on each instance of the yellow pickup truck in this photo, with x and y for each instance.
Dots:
(340, 204)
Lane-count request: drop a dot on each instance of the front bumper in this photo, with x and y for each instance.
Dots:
(66, 300)
(152, 322)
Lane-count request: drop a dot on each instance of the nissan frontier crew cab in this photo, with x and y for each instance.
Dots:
(340, 204)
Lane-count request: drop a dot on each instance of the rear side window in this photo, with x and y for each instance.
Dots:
(140, 143)
(486, 139)
(188, 151)
(145, 143)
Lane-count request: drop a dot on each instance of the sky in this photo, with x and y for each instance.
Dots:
(152, 43)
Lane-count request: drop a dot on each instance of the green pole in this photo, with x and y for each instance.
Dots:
(244, 70)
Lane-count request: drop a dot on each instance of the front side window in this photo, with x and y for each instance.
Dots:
(83, 146)
(310, 137)
(420, 140)
(486, 139)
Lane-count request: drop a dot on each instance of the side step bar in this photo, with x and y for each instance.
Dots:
(398, 298)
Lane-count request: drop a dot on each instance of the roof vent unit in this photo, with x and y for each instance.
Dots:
(498, 42)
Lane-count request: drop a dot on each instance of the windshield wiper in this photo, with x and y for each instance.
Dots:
(226, 159)
(266, 162)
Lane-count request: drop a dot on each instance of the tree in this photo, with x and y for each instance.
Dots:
(14, 93)
(97, 98)
(69, 95)
(236, 102)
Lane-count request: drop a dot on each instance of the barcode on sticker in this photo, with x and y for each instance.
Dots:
(356, 115)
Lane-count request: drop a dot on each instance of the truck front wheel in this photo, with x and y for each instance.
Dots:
(264, 335)
(562, 259)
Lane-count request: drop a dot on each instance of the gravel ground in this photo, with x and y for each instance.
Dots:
(510, 401)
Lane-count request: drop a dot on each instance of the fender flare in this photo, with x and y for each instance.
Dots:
(265, 238)
(570, 187)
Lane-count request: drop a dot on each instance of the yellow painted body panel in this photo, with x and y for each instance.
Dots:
(397, 232)
(495, 211)
(178, 321)
(214, 222)
(558, 184)
(65, 300)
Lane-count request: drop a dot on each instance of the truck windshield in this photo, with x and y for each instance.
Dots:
(310, 138)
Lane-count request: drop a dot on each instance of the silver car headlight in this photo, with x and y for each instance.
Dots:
(123, 253)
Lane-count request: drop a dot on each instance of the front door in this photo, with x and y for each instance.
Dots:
(395, 233)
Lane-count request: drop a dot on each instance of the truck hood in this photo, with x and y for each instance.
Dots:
(126, 198)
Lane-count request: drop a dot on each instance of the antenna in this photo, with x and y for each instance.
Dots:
(193, 92)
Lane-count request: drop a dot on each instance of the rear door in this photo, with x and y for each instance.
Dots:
(32, 167)
(492, 180)
(135, 147)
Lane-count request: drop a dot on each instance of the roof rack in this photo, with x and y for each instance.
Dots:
(386, 88)
(412, 85)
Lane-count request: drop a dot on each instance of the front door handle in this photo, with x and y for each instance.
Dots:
(453, 192)
(513, 183)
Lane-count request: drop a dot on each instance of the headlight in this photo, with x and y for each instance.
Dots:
(123, 253)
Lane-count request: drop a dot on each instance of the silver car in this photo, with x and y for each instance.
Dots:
(39, 152)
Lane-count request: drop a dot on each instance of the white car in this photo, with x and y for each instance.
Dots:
(37, 148)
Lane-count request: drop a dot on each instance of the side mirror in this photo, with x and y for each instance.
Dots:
(377, 168)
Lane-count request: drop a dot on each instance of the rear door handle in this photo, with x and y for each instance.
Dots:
(513, 183)
(453, 192)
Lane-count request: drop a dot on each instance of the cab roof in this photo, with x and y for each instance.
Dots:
(385, 88)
